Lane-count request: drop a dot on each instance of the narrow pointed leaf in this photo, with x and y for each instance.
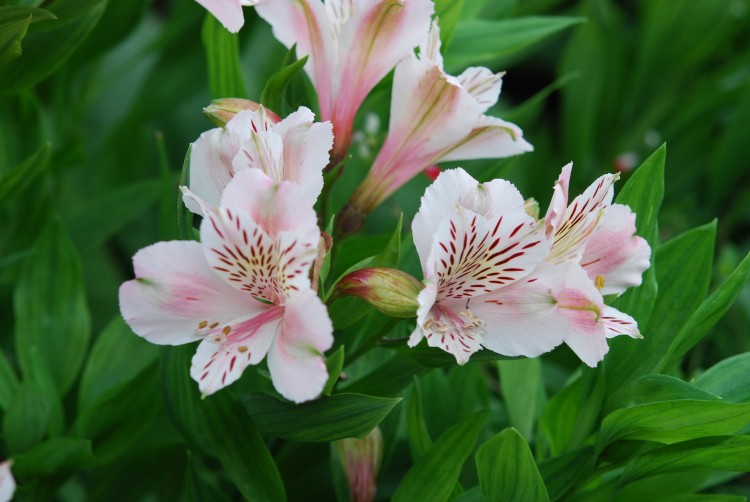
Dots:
(707, 315)
(27, 418)
(523, 393)
(419, 438)
(8, 382)
(507, 470)
(656, 388)
(728, 453)
(220, 427)
(729, 379)
(334, 363)
(53, 458)
(435, 474)
(118, 356)
(18, 178)
(223, 56)
(274, 93)
(674, 421)
(326, 419)
(683, 279)
(480, 40)
(643, 192)
(50, 309)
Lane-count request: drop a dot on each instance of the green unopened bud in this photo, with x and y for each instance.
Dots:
(531, 206)
(222, 110)
(361, 459)
(391, 291)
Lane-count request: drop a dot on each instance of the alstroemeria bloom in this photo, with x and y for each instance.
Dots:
(596, 234)
(228, 12)
(472, 240)
(593, 253)
(435, 117)
(294, 149)
(7, 483)
(244, 291)
(351, 45)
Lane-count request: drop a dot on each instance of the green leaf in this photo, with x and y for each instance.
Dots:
(20, 177)
(223, 56)
(388, 379)
(14, 23)
(53, 457)
(334, 363)
(643, 192)
(560, 473)
(656, 388)
(570, 416)
(273, 96)
(47, 48)
(107, 214)
(673, 421)
(714, 453)
(220, 426)
(435, 474)
(27, 418)
(11, 34)
(419, 438)
(434, 357)
(118, 356)
(326, 419)
(729, 379)
(480, 40)
(523, 393)
(710, 311)
(448, 12)
(8, 382)
(507, 470)
(50, 310)
(679, 292)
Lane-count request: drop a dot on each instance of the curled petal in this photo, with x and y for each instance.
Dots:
(211, 166)
(295, 358)
(176, 295)
(619, 323)
(490, 138)
(581, 218)
(559, 203)
(483, 85)
(614, 253)
(7, 482)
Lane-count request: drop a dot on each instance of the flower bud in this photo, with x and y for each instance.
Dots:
(391, 291)
(222, 110)
(361, 459)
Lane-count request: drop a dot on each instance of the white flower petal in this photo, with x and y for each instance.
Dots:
(490, 138)
(295, 359)
(228, 12)
(7, 482)
(614, 253)
(176, 295)
(483, 85)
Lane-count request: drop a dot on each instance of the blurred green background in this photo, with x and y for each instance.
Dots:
(97, 112)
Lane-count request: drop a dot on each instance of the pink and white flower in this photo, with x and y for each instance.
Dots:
(527, 286)
(293, 149)
(596, 234)
(351, 45)
(473, 240)
(436, 117)
(228, 12)
(244, 291)
(7, 482)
